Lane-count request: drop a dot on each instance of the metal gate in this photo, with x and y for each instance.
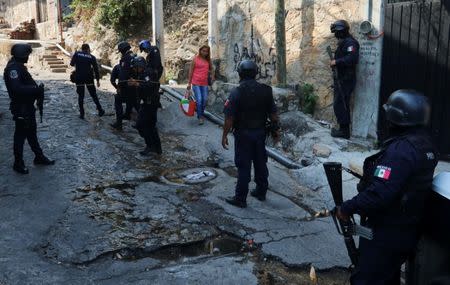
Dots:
(416, 55)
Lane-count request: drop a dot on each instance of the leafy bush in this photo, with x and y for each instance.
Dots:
(124, 16)
(309, 98)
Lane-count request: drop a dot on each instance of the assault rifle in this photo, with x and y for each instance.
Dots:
(348, 229)
(337, 83)
(40, 101)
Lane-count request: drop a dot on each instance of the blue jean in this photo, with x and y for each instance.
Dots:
(201, 96)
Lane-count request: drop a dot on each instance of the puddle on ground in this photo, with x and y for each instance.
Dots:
(221, 245)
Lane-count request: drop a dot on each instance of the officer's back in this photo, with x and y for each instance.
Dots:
(253, 104)
(85, 64)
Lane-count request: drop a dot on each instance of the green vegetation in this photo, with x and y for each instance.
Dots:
(122, 16)
(309, 98)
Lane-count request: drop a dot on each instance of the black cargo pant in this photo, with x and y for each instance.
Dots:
(26, 129)
(146, 125)
(341, 101)
(92, 91)
(250, 147)
(131, 101)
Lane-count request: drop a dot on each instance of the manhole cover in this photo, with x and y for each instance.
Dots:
(191, 176)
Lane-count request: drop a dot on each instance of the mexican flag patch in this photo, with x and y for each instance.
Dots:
(383, 172)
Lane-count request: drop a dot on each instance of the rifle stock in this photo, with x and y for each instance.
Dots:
(333, 171)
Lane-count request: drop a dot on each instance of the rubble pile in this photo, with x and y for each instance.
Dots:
(25, 31)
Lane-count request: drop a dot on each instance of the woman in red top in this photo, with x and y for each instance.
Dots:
(201, 68)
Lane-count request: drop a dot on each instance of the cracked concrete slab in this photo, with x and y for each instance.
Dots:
(102, 210)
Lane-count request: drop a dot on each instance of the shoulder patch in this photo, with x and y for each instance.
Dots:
(13, 74)
(147, 78)
(382, 172)
(351, 49)
(430, 156)
(227, 103)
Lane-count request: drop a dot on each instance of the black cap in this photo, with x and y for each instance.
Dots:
(407, 108)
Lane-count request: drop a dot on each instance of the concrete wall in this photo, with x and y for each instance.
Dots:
(18, 11)
(247, 29)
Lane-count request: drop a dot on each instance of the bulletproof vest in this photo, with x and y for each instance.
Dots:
(345, 72)
(409, 208)
(21, 104)
(253, 103)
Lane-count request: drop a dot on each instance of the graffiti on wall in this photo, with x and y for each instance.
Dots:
(369, 54)
(266, 61)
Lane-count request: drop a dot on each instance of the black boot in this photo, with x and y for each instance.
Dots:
(117, 125)
(43, 160)
(101, 112)
(19, 166)
(342, 132)
(235, 202)
(82, 116)
(146, 152)
(255, 193)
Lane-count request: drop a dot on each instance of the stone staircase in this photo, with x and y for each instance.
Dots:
(55, 60)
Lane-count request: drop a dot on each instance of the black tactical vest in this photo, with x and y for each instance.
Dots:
(252, 105)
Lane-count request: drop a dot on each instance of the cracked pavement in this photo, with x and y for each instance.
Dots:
(106, 215)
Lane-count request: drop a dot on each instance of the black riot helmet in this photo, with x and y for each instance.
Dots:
(21, 52)
(138, 62)
(123, 47)
(247, 69)
(340, 28)
(407, 108)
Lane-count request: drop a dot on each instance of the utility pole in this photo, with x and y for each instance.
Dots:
(280, 38)
(158, 28)
(60, 21)
(212, 28)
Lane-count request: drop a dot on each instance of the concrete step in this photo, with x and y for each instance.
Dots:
(59, 70)
(49, 56)
(53, 60)
(52, 48)
(57, 66)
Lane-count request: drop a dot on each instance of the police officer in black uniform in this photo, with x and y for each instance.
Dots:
(118, 98)
(147, 91)
(346, 59)
(85, 68)
(153, 58)
(247, 111)
(124, 74)
(393, 190)
(23, 92)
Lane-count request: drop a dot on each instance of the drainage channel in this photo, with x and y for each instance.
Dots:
(216, 246)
